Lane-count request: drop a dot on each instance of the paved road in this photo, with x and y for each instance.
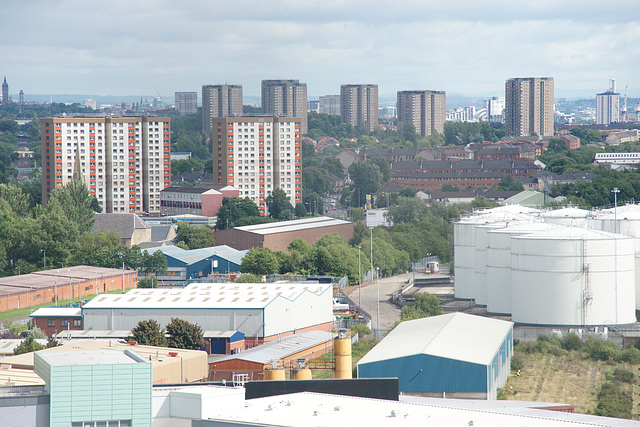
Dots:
(389, 312)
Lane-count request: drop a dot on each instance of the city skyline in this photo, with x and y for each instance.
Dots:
(465, 48)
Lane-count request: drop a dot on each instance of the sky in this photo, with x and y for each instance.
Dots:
(464, 47)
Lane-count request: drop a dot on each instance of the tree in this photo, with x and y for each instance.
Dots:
(155, 263)
(183, 334)
(558, 145)
(507, 183)
(148, 332)
(234, 210)
(333, 166)
(27, 346)
(248, 278)
(279, 206)
(195, 236)
(148, 282)
(75, 200)
(16, 199)
(425, 305)
(407, 210)
(260, 261)
(367, 179)
(300, 210)
(383, 165)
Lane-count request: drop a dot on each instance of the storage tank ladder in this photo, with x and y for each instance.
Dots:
(587, 295)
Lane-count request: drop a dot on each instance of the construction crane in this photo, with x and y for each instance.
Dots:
(624, 105)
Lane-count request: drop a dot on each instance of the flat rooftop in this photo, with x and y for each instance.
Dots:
(97, 357)
(58, 276)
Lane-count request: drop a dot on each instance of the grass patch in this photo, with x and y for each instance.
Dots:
(21, 312)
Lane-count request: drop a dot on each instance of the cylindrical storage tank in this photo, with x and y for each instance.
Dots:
(481, 259)
(573, 276)
(627, 223)
(301, 373)
(274, 374)
(568, 216)
(342, 355)
(465, 245)
(511, 210)
(499, 263)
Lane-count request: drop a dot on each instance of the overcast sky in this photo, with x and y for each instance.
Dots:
(136, 47)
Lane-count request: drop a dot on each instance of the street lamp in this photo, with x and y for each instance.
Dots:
(615, 192)
(378, 315)
(44, 259)
(359, 279)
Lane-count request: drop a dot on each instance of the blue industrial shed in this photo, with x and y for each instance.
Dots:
(183, 264)
(454, 355)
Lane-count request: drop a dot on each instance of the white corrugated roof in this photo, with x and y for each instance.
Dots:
(208, 295)
(287, 346)
(299, 224)
(456, 336)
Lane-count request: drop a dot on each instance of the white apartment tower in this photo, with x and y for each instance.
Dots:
(257, 155)
(608, 106)
(124, 161)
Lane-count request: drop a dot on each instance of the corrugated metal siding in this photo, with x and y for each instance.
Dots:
(426, 373)
(247, 321)
(28, 415)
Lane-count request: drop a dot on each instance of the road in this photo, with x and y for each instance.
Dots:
(389, 312)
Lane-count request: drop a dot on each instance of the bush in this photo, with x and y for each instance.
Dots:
(516, 363)
(248, 278)
(361, 330)
(622, 375)
(148, 282)
(630, 355)
(601, 349)
(571, 341)
(614, 401)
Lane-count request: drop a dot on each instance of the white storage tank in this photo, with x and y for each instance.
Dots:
(512, 210)
(465, 250)
(573, 276)
(627, 223)
(498, 277)
(567, 216)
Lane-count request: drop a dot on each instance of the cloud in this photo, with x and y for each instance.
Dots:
(136, 47)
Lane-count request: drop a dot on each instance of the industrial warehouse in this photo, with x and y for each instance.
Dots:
(454, 355)
(277, 235)
(568, 267)
(262, 312)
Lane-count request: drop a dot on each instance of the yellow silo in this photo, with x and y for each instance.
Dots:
(342, 355)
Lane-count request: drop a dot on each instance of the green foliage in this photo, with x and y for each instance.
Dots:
(367, 179)
(558, 145)
(507, 183)
(148, 282)
(571, 341)
(622, 375)
(425, 305)
(587, 136)
(407, 210)
(313, 202)
(27, 346)
(38, 334)
(315, 180)
(155, 263)
(279, 206)
(614, 401)
(234, 211)
(630, 355)
(463, 133)
(148, 332)
(248, 278)
(356, 214)
(601, 349)
(300, 210)
(321, 125)
(183, 334)
(332, 166)
(10, 126)
(179, 167)
(517, 363)
(260, 261)
(75, 201)
(195, 236)
(363, 331)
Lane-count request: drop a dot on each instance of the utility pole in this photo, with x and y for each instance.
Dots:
(359, 280)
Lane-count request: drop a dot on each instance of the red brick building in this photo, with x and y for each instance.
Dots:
(53, 320)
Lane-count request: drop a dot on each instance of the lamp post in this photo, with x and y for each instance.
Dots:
(44, 259)
(615, 192)
(378, 315)
(359, 279)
